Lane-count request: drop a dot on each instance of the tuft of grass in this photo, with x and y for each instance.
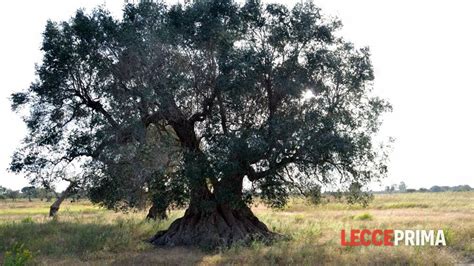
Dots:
(449, 236)
(363, 217)
(27, 220)
(299, 218)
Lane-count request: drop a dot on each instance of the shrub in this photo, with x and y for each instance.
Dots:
(17, 255)
(314, 195)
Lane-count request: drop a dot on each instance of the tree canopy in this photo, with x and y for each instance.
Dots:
(180, 104)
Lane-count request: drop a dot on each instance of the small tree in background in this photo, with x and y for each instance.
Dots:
(13, 194)
(29, 192)
(41, 193)
(390, 189)
(3, 192)
(402, 187)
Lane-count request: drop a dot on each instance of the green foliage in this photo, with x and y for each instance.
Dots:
(17, 255)
(184, 100)
(29, 192)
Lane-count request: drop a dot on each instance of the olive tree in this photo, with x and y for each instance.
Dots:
(202, 105)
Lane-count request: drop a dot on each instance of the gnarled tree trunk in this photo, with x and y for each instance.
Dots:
(53, 210)
(217, 218)
(210, 223)
(222, 226)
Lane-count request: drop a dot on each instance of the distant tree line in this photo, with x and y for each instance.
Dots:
(32, 192)
(402, 188)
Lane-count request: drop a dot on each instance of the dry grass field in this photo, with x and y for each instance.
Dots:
(86, 234)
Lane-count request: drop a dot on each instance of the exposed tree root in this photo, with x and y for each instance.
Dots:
(220, 228)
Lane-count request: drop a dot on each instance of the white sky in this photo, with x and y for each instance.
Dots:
(423, 54)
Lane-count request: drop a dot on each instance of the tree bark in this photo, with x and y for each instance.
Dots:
(213, 219)
(211, 223)
(220, 227)
(53, 210)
